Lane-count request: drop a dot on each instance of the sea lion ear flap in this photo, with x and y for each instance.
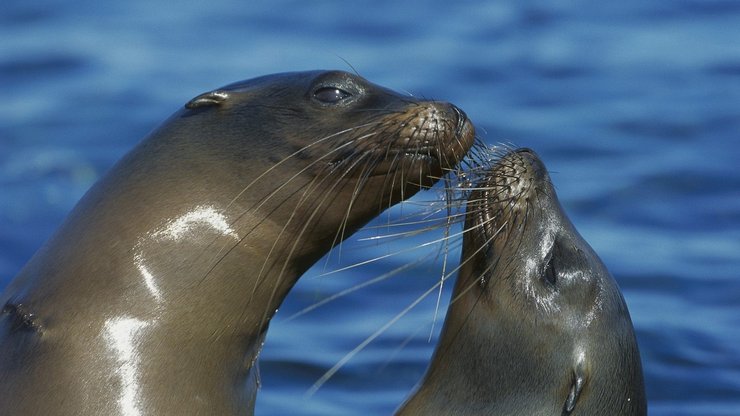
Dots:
(213, 98)
(579, 380)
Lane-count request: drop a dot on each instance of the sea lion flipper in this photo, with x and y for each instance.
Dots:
(208, 99)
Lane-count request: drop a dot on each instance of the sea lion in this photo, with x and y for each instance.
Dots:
(154, 296)
(536, 324)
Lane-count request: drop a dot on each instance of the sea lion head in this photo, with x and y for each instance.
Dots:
(352, 147)
(334, 122)
(555, 331)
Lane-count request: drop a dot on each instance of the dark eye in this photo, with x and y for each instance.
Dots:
(550, 273)
(330, 95)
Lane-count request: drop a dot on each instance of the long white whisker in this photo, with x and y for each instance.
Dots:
(321, 381)
(385, 256)
(355, 288)
(218, 255)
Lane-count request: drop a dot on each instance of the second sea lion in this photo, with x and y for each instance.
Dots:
(536, 324)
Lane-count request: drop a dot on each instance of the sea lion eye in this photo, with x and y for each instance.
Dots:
(330, 95)
(550, 275)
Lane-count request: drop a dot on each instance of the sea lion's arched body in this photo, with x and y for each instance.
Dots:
(536, 325)
(154, 296)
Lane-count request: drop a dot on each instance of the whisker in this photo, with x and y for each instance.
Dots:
(266, 199)
(355, 288)
(328, 375)
(385, 256)
(320, 204)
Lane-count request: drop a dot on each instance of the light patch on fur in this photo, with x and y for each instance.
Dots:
(180, 230)
(148, 276)
(533, 270)
(121, 335)
(184, 225)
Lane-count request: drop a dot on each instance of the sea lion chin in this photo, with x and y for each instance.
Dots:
(536, 325)
(155, 294)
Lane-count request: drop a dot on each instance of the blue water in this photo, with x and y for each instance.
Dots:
(633, 105)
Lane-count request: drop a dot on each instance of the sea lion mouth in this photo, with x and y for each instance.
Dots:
(420, 167)
(424, 153)
(501, 202)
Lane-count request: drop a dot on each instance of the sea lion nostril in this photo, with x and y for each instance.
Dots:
(461, 119)
(526, 151)
(526, 160)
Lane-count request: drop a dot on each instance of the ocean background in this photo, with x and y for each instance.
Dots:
(634, 106)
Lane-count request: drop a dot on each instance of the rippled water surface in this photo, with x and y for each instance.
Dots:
(634, 107)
